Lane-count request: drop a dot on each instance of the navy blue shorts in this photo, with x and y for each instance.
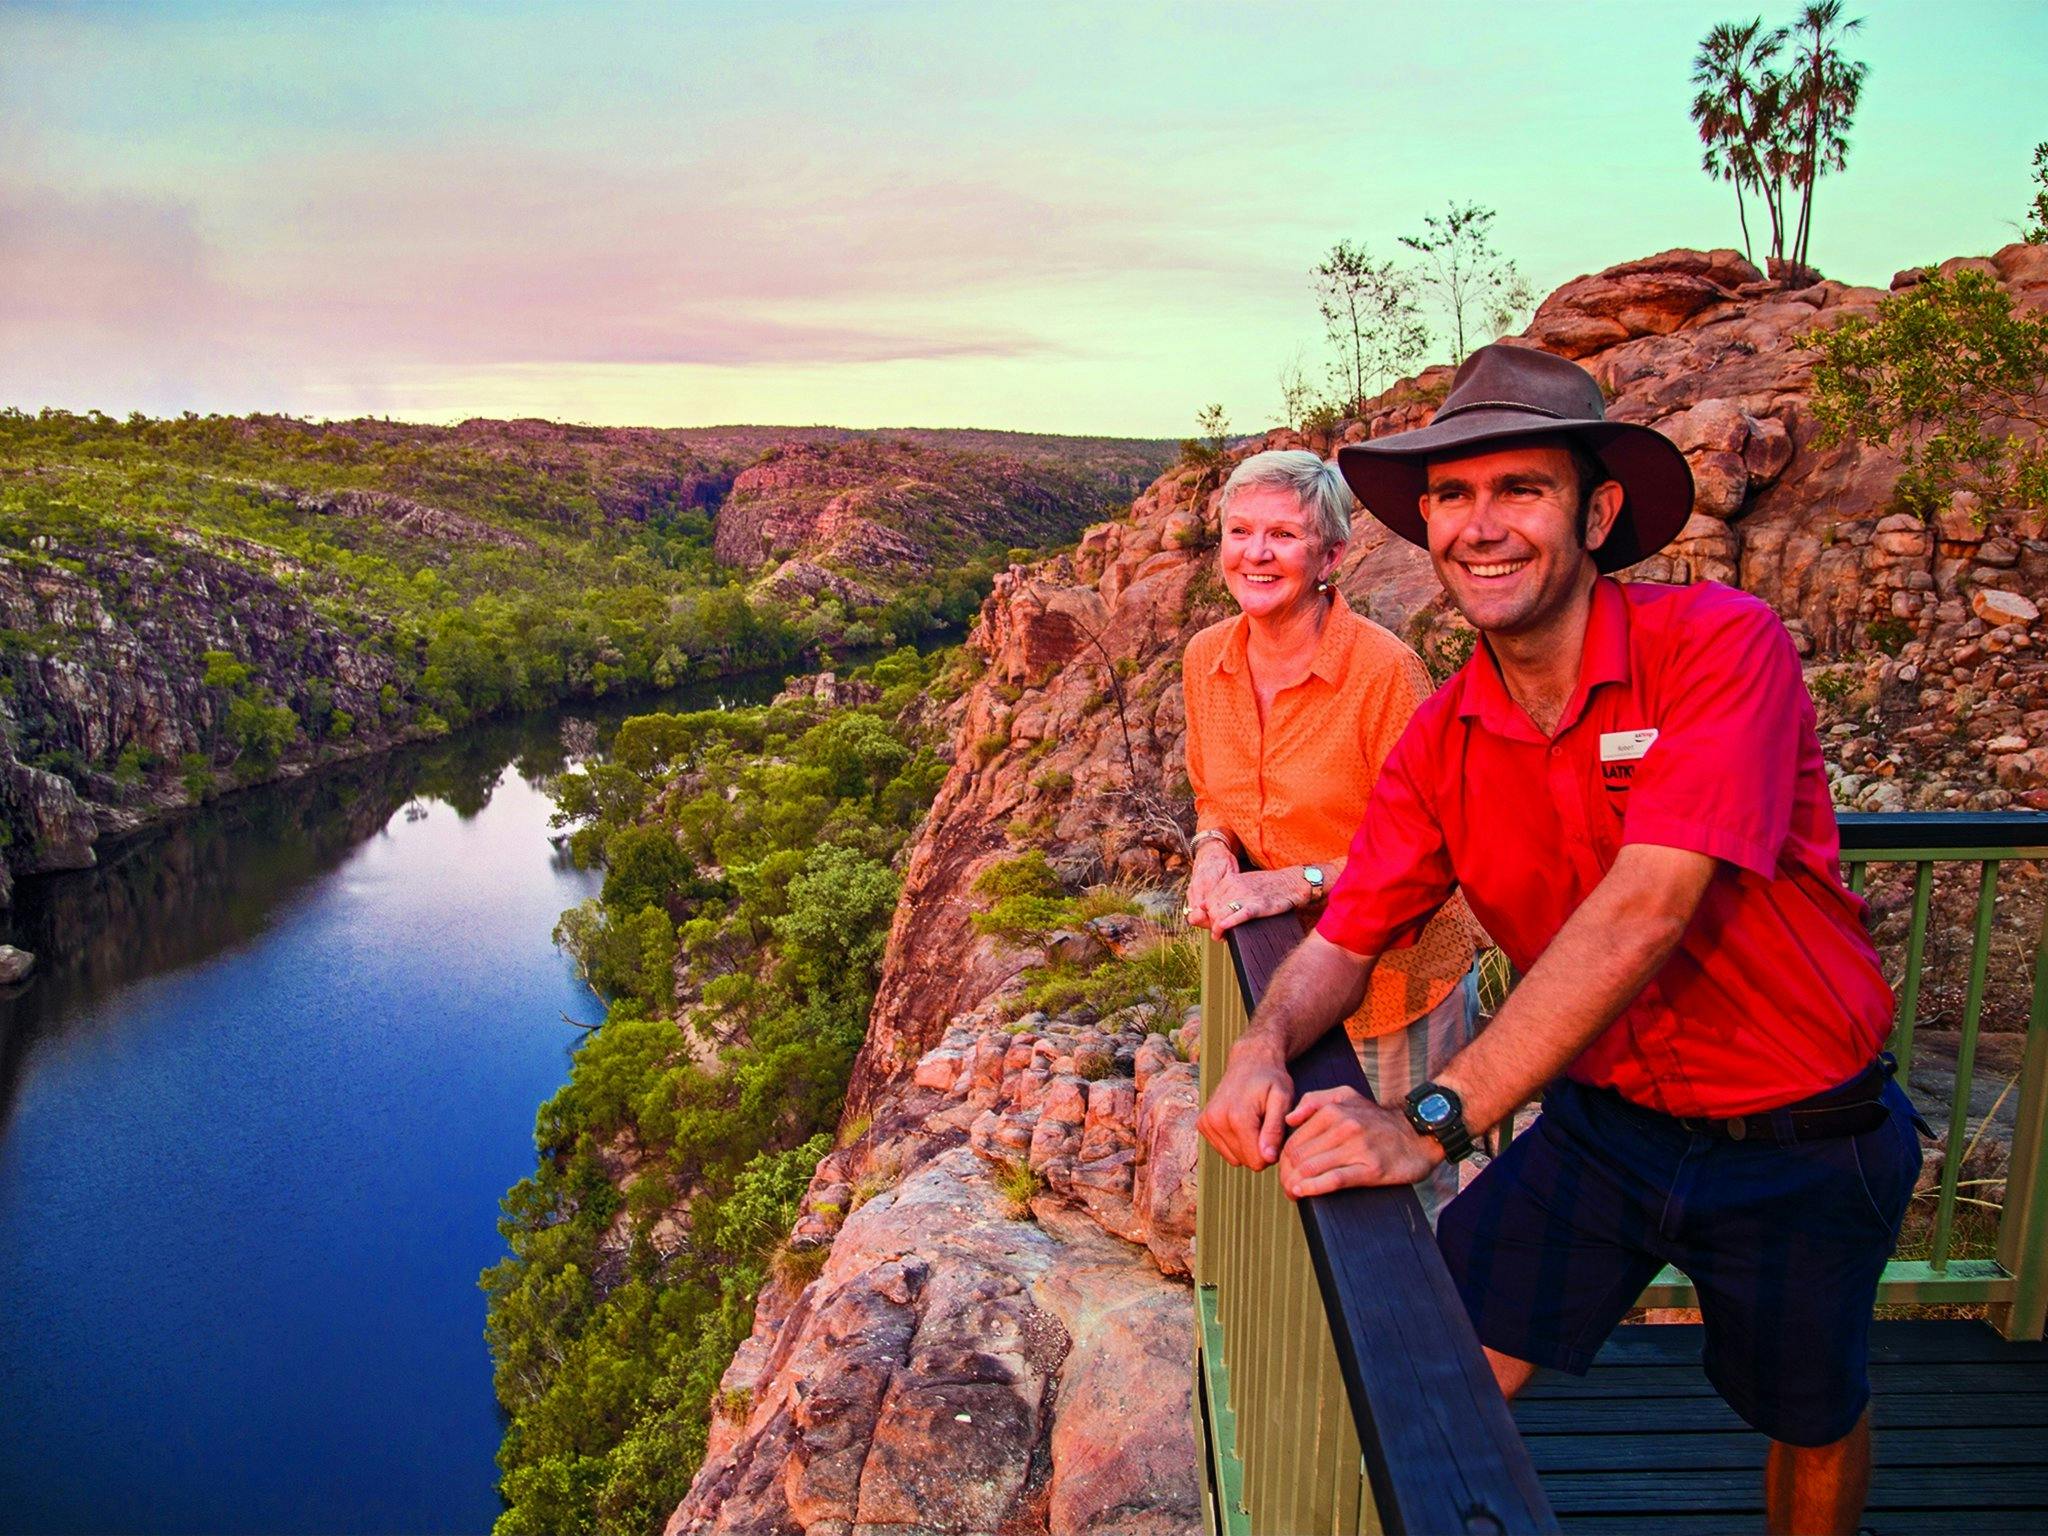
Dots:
(1554, 1241)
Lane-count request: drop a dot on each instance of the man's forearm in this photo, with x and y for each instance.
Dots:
(1316, 985)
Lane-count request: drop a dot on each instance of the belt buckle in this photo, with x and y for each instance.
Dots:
(1737, 1128)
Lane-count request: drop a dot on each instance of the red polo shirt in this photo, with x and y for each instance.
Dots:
(1690, 727)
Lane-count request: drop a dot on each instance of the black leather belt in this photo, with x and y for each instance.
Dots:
(1848, 1109)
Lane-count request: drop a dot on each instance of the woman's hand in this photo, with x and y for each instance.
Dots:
(1213, 863)
(1242, 895)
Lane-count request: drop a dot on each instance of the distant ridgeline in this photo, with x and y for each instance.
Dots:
(191, 604)
(747, 897)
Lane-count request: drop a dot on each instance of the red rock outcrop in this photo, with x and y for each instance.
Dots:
(959, 1364)
(899, 508)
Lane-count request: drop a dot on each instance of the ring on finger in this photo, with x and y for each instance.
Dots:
(1237, 906)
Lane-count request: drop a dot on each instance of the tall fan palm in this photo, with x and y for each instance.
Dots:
(1733, 110)
(1822, 90)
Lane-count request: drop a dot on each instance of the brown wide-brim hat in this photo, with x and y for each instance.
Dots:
(1502, 393)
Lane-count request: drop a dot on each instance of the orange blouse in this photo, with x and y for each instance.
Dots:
(1294, 791)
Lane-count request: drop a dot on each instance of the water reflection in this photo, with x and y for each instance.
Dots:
(179, 894)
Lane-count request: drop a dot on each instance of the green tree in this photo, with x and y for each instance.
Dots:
(1734, 110)
(643, 868)
(2036, 232)
(859, 752)
(833, 933)
(1474, 284)
(1953, 376)
(1820, 93)
(1371, 318)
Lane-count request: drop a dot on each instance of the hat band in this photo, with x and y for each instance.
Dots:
(1507, 405)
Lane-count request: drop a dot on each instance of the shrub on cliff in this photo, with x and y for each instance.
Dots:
(1956, 379)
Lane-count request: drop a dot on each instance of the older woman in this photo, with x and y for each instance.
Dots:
(1291, 707)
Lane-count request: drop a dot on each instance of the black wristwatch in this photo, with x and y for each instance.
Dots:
(1437, 1111)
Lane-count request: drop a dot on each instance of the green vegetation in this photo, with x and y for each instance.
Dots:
(1474, 285)
(1773, 131)
(1019, 1184)
(1027, 905)
(488, 567)
(2036, 232)
(477, 579)
(1372, 320)
(1372, 311)
(1949, 373)
(748, 890)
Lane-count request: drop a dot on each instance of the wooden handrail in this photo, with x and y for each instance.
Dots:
(1955, 833)
(1441, 1447)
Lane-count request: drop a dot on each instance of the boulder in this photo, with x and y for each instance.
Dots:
(1996, 607)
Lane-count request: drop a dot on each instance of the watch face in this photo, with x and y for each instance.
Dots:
(1312, 873)
(1433, 1108)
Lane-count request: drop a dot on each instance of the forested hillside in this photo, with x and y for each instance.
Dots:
(187, 605)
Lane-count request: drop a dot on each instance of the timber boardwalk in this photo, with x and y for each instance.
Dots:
(1642, 1443)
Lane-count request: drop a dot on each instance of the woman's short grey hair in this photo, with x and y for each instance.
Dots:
(1316, 485)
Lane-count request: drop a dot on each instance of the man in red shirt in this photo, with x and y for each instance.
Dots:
(1626, 784)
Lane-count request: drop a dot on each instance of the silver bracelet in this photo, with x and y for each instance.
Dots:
(1208, 833)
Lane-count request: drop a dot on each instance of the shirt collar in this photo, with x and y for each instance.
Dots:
(1602, 659)
(1333, 645)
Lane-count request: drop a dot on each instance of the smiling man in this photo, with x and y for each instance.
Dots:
(1626, 784)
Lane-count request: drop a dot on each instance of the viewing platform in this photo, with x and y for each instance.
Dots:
(1341, 1389)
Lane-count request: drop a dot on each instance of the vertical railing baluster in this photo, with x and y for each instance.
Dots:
(2023, 1225)
(1302, 1320)
(1966, 1064)
(1916, 948)
(1859, 874)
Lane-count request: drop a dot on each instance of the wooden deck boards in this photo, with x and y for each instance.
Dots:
(1641, 1442)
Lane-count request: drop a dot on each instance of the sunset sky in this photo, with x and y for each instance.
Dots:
(1086, 218)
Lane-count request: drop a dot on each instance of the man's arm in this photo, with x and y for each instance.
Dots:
(1604, 955)
(1316, 985)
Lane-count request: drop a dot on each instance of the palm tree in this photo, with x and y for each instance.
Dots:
(1821, 93)
(1734, 113)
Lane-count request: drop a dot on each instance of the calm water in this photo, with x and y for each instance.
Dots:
(257, 1109)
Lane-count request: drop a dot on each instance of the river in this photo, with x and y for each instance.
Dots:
(258, 1105)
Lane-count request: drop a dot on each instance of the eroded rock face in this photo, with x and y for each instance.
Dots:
(953, 1369)
(892, 509)
(964, 1365)
(128, 673)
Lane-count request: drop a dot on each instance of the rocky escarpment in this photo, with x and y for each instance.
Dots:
(103, 676)
(989, 1343)
(851, 518)
(1919, 639)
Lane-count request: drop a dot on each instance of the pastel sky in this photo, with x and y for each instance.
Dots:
(1052, 217)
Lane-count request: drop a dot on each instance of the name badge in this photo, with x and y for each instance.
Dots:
(1625, 746)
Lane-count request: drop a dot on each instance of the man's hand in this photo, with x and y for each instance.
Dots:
(1244, 1116)
(1342, 1140)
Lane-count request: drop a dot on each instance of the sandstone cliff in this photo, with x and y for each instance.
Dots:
(931, 1376)
(105, 672)
(856, 519)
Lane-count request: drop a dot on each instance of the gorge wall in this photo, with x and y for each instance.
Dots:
(941, 1372)
(375, 580)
